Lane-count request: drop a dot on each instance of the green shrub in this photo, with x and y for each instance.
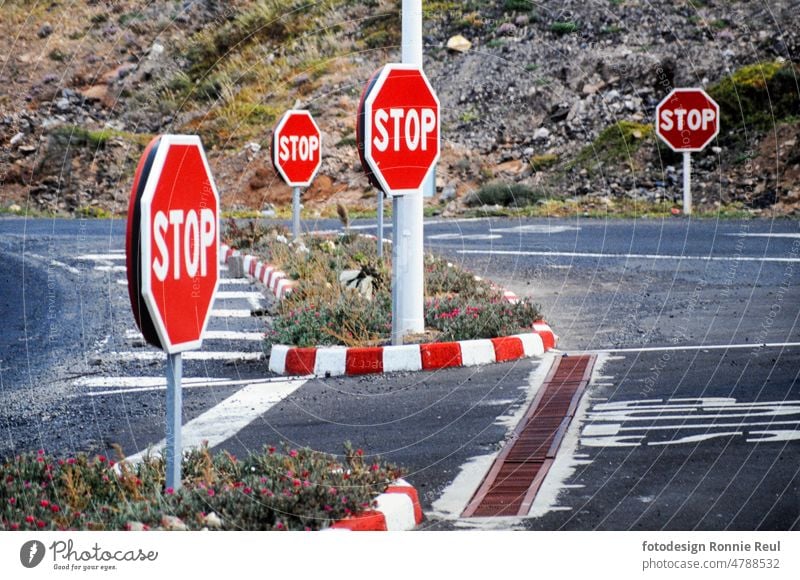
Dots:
(562, 28)
(461, 318)
(542, 162)
(757, 96)
(295, 490)
(507, 195)
(518, 5)
(615, 144)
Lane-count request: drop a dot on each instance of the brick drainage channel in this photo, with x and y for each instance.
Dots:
(516, 475)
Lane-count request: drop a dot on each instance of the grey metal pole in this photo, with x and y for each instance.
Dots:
(173, 450)
(380, 224)
(296, 213)
(687, 183)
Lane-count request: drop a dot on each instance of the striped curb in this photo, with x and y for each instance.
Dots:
(397, 510)
(270, 276)
(337, 361)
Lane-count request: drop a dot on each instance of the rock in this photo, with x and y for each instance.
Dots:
(173, 523)
(458, 43)
(45, 30)
(63, 105)
(155, 51)
(514, 167)
(212, 520)
(592, 88)
(95, 93)
(542, 133)
(16, 138)
(506, 29)
(448, 193)
(14, 208)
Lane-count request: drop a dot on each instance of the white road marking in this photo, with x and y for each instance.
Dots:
(476, 237)
(101, 257)
(189, 355)
(765, 235)
(66, 267)
(122, 282)
(111, 268)
(536, 229)
(705, 416)
(213, 335)
(234, 282)
(630, 256)
(226, 419)
(230, 313)
(255, 299)
(695, 347)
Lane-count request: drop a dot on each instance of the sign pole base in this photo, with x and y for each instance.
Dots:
(173, 449)
(687, 183)
(296, 213)
(408, 289)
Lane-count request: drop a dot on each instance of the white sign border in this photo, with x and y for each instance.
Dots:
(276, 135)
(687, 90)
(368, 103)
(145, 206)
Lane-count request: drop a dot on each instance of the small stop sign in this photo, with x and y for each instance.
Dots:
(296, 148)
(173, 243)
(687, 120)
(399, 128)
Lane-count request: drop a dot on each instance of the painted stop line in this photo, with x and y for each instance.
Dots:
(691, 420)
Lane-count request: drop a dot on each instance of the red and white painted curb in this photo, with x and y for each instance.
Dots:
(336, 361)
(339, 360)
(270, 276)
(397, 510)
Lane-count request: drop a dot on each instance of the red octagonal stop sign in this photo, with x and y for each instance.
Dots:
(687, 119)
(173, 243)
(296, 148)
(399, 128)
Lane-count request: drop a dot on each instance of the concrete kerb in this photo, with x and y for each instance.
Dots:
(338, 361)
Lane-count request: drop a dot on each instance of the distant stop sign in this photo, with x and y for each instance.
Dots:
(687, 119)
(296, 148)
(399, 128)
(173, 243)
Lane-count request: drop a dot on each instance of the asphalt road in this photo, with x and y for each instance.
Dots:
(691, 422)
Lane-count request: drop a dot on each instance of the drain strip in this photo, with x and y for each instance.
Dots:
(516, 475)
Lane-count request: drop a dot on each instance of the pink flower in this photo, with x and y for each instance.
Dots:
(40, 524)
(271, 450)
(210, 492)
(279, 526)
(101, 458)
(296, 482)
(306, 483)
(40, 452)
(266, 492)
(44, 503)
(14, 526)
(375, 467)
(359, 452)
(169, 491)
(71, 461)
(12, 500)
(55, 509)
(333, 491)
(293, 453)
(247, 491)
(327, 508)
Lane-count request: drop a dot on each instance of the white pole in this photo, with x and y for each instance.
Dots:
(173, 448)
(408, 288)
(296, 213)
(687, 183)
(380, 224)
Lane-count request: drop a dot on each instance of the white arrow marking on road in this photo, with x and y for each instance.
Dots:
(225, 420)
(230, 313)
(212, 335)
(705, 416)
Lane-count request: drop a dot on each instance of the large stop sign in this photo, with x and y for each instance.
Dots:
(173, 243)
(296, 148)
(399, 128)
(687, 119)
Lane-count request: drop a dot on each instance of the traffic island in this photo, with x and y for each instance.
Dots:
(333, 315)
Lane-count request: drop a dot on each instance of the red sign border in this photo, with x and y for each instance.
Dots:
(146, 249)
(370, 100)
(275, 134)
(667, 98)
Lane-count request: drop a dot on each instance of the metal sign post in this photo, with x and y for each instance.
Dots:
(173, 450)
(380, 224)
(408, 288)
(296, 213)
(687, 183)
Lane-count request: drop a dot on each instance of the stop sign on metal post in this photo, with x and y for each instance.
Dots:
(399, 128)
(173, 243)
(687, 120)
(296, 148)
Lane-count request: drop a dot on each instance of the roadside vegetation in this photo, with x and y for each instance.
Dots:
(343, 293)
(292, 489)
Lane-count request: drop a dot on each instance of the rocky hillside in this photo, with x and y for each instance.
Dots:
(554, 98)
